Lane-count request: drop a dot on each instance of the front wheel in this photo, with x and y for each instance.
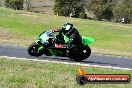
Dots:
(33, 50)
(79, 53)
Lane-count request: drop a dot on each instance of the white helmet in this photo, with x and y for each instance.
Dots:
(67, 26)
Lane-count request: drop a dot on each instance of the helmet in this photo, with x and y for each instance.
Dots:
(67, 26)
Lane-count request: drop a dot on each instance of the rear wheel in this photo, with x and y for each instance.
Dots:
(79, 53)
(33, 50)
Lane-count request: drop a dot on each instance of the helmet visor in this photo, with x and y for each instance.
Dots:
(68, 27)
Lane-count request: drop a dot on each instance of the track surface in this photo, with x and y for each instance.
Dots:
(21, 52)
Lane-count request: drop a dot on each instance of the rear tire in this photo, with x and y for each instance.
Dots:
(33, 50)
(79, 53)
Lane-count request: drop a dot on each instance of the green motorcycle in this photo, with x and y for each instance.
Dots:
(45, 44)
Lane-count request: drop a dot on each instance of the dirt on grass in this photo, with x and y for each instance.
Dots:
(119, 25)
(5, 34)
(10, 38)
(28, 14)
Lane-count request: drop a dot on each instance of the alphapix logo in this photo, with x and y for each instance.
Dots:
(83, 78)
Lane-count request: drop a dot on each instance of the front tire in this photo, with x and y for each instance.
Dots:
(33, 50)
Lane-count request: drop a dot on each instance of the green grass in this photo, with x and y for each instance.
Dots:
(29, 74)
(21, 28)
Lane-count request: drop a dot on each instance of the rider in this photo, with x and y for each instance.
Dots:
(69, 31)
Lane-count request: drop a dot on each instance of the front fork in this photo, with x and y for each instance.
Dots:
(40, 49)
(41, 46)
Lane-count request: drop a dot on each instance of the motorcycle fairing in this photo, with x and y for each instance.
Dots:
(87, 40)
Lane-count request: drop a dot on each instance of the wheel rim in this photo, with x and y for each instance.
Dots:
(34, 49)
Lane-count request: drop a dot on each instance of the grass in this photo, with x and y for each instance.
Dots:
(47, 10)
(21, 28)
(29, 74)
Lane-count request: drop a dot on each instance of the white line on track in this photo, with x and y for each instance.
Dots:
(68, 63)
(14, 45)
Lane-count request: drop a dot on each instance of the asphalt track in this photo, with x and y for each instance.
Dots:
(101, 60)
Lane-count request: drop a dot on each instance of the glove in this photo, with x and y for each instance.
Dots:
(53, 30)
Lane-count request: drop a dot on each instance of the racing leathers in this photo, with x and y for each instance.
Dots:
(73, 34)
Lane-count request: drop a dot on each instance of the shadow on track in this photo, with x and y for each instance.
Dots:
(65, 59)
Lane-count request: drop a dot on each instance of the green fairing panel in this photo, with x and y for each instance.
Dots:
(55, 52)
(43, 36)
(66, 39)
(87, 40)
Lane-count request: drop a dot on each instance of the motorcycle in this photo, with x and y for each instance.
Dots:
(45, 44)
